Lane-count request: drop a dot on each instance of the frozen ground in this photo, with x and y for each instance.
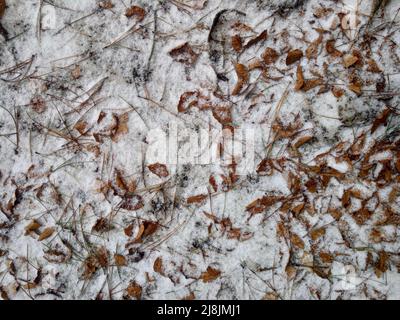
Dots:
(87, 213)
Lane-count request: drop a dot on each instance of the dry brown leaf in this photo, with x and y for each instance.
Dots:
(236, 42)
(337, 92)
(317, 233)
(261, 37)
(294, 56)
(32, 226)
(196, 199)
(243, 77)
(213, 183)
(302, 141)
(311, 84)
(300, 78)
(184, 54)
(356, 88)
(159, 169)
(373, 66)
(349, 60)
(296, 241)
(330, 48)
(158, 266)
(210, 275)
(381, 119)
(222, 114)
(129, 230)
(190, 296)
(120, 127)
(270, 56)
(135, 11)
(382, 264)
(2, 7)
(47, 233)
(134, 290)
(326, 257)
(120, 260)
(81, 127)
(188, 100)
(106, 5)
(132, 203)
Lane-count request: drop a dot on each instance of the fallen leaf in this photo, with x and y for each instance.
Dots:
(210, 275)
(337, 92)
(158, 265)
(261, 37)
(349, 60)
(184, 54)
(132, 203)
(188, 100)
(381, 119)
(81, 127)
(120, 260)
(317, 233)
(330, 48)
(300, 78)
(32, 226)
(129, 230)
(47, 232)
(2, 7)
(135, 11)
(196, 199)
(102, 225)
(236, 42)
(294, 56)
(243, 77)
(373, 66)
(222, 114)
(159, 169)
(106, 5)
(270, 56)
(120, 127)
(302, 141)
(311, 84)
(134, 290)
(296, 241)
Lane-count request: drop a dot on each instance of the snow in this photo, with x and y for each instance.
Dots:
(62, 175)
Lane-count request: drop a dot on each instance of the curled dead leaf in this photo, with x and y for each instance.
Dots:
(270, 56)
(317, 233)
(196, 199)
(135, 11)
(261, 37)
(210, 275)
(134, 290)
(159, 169)
(184, 54)
(2, 7)
(331, 49)
(236, 42)
(32, 226)
(243, 77)
(294, 56)
(47, 233)
(158, 265)
(120, 260)
(296, 241)
(349, 60)
(300, 78)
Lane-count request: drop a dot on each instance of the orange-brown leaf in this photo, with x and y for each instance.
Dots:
(47, 233)
(294, 56)
(210, 275)
(159, 169)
